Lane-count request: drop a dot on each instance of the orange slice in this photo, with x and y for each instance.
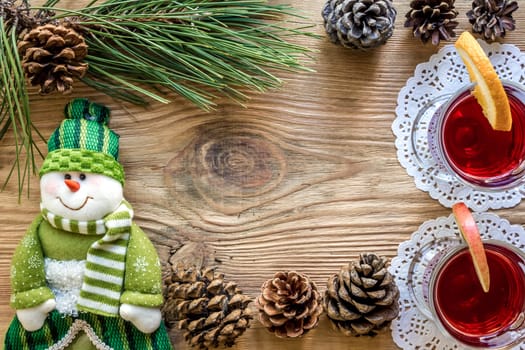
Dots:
(470, 233)
(489, 90)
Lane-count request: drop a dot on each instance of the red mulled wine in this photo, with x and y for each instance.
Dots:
(477, 153)
(472, 316)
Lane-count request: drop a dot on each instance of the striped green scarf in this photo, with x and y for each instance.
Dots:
(105, 261)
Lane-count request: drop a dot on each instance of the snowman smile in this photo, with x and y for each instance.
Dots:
(78, 208)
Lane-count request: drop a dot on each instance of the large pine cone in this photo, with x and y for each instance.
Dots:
(359, 24)
(492, 18)
(432, 20)
(362, 298)
(52, 56)
(211, 311)
(289, 305)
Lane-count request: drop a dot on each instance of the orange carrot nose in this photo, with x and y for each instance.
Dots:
(73, 185)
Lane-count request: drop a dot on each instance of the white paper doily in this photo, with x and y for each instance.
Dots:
(431, 85)
(412, 329)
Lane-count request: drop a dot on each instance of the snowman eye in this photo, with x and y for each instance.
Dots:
(82, 176)
(67, 176)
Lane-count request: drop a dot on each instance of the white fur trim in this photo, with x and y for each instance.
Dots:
(64, 278)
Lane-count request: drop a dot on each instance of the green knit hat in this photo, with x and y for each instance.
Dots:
(83, 142)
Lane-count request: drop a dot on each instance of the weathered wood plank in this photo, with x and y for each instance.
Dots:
(302, 178)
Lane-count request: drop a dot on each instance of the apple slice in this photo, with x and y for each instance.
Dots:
(470, 233)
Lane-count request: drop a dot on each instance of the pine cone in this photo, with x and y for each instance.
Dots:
(17, 14)
(360, 24)
(211, 311)
(492, 18)
(52, 56)
(289, 305)
(432, 20)
(362, 298)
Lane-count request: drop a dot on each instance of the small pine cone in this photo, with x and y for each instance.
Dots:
(492, 18)
(362, 298)
(359, 24)
(289, 305)
(52, 56)
(432, 20)
(210, 311)
(18, 15)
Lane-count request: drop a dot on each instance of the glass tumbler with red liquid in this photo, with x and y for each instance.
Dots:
(462, 140)
(460, 307)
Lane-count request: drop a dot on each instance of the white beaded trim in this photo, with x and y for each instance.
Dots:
(76, 327)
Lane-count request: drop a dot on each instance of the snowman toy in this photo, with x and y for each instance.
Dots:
(85, 276)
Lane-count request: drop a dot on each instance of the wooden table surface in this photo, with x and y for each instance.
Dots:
(302, 178)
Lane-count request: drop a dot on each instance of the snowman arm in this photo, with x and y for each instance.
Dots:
(143, 279)
(146, 319)
(33, 318)
(142, 296)
(28, 279)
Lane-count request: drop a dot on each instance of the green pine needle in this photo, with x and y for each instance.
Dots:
(14, 109)
(197, 49)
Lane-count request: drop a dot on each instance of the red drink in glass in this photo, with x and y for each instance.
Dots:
(472, 316)
(476, 153)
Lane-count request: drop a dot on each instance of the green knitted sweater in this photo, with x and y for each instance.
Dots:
(142, 279)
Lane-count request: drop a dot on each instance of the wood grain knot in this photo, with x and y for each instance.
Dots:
(227, 166)
(241, 164)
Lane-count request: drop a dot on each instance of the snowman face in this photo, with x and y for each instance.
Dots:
(80, 196)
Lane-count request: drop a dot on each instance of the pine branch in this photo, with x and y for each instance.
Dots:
(197, 49)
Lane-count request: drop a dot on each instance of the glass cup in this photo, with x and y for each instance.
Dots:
(463, 143)
(452, 296)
